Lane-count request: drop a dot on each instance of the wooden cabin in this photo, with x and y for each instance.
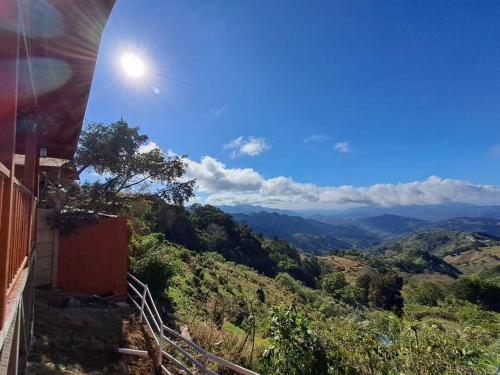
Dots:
(48, 51)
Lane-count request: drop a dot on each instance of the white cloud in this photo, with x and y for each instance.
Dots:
(343, 147)
(222, 185)
(247, 146)
(148, 147)
(213, 176)
(314, 138)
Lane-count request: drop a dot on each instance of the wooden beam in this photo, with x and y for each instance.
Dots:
(30, 158)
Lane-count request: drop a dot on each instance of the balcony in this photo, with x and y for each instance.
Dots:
(17, 228)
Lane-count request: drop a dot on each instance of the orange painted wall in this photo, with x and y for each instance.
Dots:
(93, 258)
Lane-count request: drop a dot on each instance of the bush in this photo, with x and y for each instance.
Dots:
(332, 282)
(425, 293)
(289, 283)
(478, 291)
(295, 349)
(351, 295)
(154, 268)
(143, 244)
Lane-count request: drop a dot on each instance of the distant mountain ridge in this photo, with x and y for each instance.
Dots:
(437, 212)
(248, 209)
(308, 234)
(471, 224)
(320, 237)
(391, 225)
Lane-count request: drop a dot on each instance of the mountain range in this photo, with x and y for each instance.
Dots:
(437, 212)
(320, 234)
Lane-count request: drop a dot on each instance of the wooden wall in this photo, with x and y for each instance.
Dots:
(93, 259)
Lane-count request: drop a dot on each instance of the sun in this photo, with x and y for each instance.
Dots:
(132, 65)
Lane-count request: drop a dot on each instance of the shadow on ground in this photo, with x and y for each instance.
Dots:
(80, 335)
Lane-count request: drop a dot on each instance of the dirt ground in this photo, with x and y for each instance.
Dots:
(80, 335)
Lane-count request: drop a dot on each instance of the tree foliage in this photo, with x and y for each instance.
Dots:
(333, 282)
(476, 290)
(425, 293)
(116, 153)
(385, 292)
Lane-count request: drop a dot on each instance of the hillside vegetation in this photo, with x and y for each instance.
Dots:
(264, 304)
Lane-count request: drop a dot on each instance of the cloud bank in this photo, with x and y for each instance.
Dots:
(223, 185)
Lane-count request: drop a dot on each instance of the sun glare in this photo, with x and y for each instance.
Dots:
(132, 65)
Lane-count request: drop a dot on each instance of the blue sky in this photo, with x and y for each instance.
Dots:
(302, 97)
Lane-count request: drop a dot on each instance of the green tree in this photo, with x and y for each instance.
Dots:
(363, 283)
(117, 153)
(385, 292)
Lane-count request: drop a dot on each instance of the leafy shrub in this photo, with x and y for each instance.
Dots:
(476, 290)
(425, 293)
(155, 268)
(351, 295)
(295, 349)
(142, 244)
(332, 282)
(292, 285)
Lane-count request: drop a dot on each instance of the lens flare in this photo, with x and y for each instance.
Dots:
(132, 65)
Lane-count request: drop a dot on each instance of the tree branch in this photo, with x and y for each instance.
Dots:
(134, 183)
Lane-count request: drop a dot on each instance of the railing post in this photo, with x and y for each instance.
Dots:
(143, 302)
(160, 348)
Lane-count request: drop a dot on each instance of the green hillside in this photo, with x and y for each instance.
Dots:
(439, 242)
(391, 225)
(471, 224)
(362, 314)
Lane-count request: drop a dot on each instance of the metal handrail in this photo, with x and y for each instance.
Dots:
(145, 304)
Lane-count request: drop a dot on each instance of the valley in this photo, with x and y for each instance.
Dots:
(382, 286)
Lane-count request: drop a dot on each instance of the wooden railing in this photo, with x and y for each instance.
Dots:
(17, 230)
(22, 222)
(4, 175)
